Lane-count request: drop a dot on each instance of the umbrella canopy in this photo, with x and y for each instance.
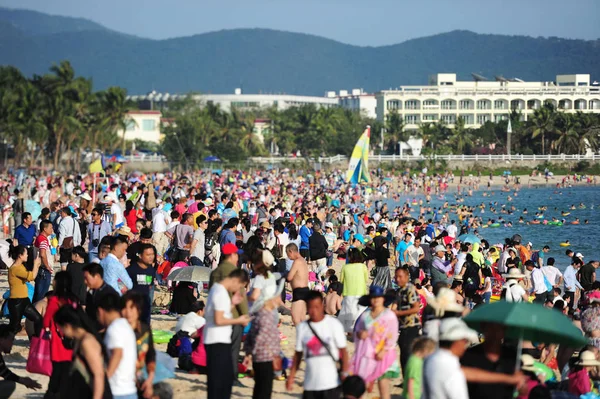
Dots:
(212, 158)
(528, 321)
(34, 208)
(190, 273)
(469, 238)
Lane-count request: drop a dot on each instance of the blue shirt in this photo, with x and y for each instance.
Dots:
(97, 232)
(115, 271)
(25, 235)
(305, 234)
(402, 246)
(227, 237)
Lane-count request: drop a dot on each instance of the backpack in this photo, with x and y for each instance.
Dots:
(535, 256)
(210, 241)
(179, 344)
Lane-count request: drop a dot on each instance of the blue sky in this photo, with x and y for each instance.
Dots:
(374, 22)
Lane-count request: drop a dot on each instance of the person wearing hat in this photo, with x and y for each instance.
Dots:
(440, 267)
(512, 291)
(528, 369)
(375, 337)
(579, 377)
(262, 345)
(442, 373)
(228, 263)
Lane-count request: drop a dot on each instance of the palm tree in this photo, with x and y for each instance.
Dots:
(568, 140)
(541, 123)
(115, 109)
(462, 138)
(394, 130)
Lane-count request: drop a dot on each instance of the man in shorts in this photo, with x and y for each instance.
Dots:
(298, 278)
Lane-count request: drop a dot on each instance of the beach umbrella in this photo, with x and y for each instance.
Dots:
(528, 321)
(469, 238)
(190, 273)
(212, 158)
(134, 179)
(34, 208)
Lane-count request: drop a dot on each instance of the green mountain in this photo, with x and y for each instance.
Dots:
(262, 60)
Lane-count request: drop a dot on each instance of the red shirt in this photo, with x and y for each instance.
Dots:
(131, 219)
(42, 242)
(58, 352)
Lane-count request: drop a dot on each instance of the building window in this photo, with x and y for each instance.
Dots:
(481, 119)
(131, 124)
(393, 104)
(500, 117)
(449, 119)
(148, 125)
(430, 103)
(465, 104)
(430, 117)
(483, 104)
(448, 104)
(468, 118)
(500, 104)
(411, 119)
(411, 104)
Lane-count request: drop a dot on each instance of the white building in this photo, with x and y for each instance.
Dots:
(445, 99)
(241, 101)
(356, 100)
(143, 125)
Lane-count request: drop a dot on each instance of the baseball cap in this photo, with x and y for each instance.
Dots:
(579, 255)
(454, 329)
(360, 238)
(329, 225)
(230, 248)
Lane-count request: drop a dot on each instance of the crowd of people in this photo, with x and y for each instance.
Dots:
(376, 294)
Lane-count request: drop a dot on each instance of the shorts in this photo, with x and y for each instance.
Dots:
(334, 393)
(65, 255)
(300, 294)
(305, 254)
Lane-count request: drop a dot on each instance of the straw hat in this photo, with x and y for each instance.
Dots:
(124, 231)
(454, 329)
(445, 301)
(587, 358)
(527, 362)
(267, 258)
(85, 196)
(514, 273)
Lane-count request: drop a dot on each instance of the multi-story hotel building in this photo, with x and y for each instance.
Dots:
(445, 99)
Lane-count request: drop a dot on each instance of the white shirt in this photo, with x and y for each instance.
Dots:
(443, 377)
(452, 230)
(552, 274)
(537, 279)
(413, 255)
(159, 225)
(218, 299)
(115, 209)
(514, 291)
(570, 276)
(460, 261)
(68, 227)
(120, 335)
(321, 370)
(190, 323)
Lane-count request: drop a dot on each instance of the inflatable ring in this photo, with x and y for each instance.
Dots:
(566, 213)
(495, 225)
(544, 371)
(161, 336)
(564, 244)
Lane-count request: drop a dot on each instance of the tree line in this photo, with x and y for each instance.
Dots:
(58, 116)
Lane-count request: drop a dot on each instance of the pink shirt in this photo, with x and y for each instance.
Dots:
(579, 382)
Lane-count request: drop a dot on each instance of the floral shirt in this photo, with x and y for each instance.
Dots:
(405, 298)
(263, 339)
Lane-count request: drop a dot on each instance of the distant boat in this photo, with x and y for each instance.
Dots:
(358, 167)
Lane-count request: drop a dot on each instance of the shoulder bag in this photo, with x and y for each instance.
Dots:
(339, 371)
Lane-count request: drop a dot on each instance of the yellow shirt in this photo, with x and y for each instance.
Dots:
(17, 277)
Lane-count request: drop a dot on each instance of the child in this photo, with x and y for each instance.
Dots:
(413, 375)
(333, 300)
(579, 377)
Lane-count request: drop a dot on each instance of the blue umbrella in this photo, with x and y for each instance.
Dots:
(34, 208)
(469, 238)
(212, 158)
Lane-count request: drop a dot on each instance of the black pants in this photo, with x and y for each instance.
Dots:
(305, 254)
(540, 298)
(218, 361)
(334, 393)
(571, 297)
(236, 343)
(263, 380)
(60, 375)
(405, 339)
(17, 307)
(7, 388)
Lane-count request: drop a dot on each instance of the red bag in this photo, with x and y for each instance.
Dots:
(39, 361)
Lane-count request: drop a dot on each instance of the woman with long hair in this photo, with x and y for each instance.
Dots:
(19, 304)
(132, 303)
(354, 277)
(131, 216)
(376, 334)
(59, 354)
(383, 277)
(87, 375)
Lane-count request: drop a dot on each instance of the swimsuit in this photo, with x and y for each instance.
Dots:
(300, 294)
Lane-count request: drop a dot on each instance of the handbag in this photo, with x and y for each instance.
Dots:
(338, 368)
(68, 242)
(39, 361)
